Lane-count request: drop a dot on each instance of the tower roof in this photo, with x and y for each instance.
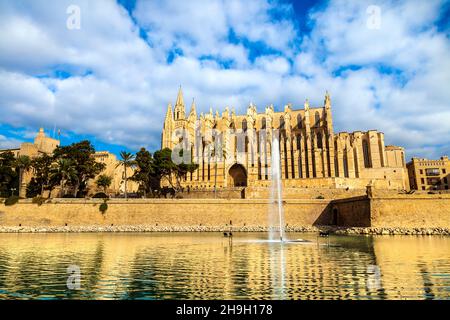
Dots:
(169, 112)
(180, 100)
(327, 101)
(193, 112)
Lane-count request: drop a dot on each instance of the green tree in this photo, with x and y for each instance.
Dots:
(104, 181)
(127, 161)
(23, 164)
(172, 172)
(8, 175)
(42, 166)
(33, 188)
(65, 173)
(82, 156)
(145, 173)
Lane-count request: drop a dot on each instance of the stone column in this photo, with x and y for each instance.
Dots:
(296, 148)
(324, 156)
(350, 161)
(303, 155)
(331, 154)
(282, 158)
(374, 149)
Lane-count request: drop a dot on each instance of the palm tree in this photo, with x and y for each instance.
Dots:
(127, 161)
(64, 171)
(216, 152)
(104, 181)
(23, 163)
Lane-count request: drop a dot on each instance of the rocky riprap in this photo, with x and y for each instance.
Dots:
(154, 228)
(392, 231)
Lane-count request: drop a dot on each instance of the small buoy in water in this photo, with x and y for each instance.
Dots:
(225, 234)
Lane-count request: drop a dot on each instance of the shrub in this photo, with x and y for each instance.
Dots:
(12, 200)
(100, 195)
(103, 207)
(38, 200)
(320, 197)
(33, 189)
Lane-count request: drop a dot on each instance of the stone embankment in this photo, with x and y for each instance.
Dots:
(391, 231)
(153, 228)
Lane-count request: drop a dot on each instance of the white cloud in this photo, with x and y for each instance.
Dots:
(9, 143)
(393, 79)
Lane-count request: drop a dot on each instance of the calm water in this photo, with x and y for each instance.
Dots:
(208, 266)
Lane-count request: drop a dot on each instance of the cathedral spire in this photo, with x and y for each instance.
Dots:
(166, 137)
(327, 102)
(193, 113)
(180, 100)
(169, 112)
(180, 111)
(306, 104)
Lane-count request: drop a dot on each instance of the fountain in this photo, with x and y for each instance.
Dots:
(276, 214)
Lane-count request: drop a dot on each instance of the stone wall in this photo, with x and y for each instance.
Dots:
(387, 210)
(416, 211)
(381, 210)
(354, 212)
(264, 193)
(161, 212)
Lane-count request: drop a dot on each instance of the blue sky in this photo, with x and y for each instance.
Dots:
(111, 80)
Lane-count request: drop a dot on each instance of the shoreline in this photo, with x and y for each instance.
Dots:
(196, 229)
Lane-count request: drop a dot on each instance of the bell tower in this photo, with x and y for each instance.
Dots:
(180, 111)
(166, 138)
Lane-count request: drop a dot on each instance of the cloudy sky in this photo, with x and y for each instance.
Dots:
(386, 65)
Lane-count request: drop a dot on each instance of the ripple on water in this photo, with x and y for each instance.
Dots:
(207, 266)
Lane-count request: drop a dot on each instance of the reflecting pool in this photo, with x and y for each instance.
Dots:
(209, 266)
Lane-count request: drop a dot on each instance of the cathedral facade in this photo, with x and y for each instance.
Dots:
(235, 150)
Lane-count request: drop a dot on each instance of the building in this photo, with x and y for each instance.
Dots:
(116, 172)
(427, 174)
(45, 145)
(311, 153)
(40, 146)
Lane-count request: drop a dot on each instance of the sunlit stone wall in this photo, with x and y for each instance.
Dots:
(410, 211)
(161, 212)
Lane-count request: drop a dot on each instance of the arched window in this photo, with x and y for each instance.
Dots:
(366, 154)
(244, 125)
(263, 123)
(299, 121)
(281, 122)
(317, 119)
(178, 115)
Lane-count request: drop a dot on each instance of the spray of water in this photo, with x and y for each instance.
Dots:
(276, 213)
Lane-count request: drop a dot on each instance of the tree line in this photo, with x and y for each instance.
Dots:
(71, 168)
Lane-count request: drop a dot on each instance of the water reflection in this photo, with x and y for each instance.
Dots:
(208, 266)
